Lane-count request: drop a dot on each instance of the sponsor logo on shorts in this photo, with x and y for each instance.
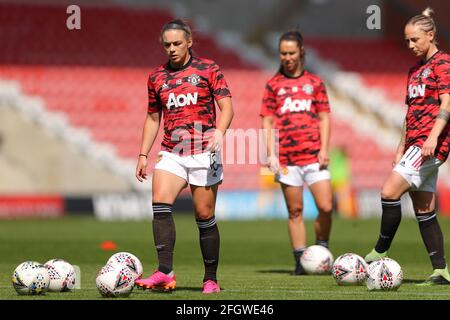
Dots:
(213, 163)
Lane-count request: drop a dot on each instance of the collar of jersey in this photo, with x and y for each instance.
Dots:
(290, 77)
(430, 58)
(170, 68)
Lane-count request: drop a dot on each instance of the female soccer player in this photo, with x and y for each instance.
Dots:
(295, 102)
(423, 147)
(184, 90)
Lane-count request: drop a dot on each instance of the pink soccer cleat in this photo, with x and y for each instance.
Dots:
(211, 286)
(158, 280)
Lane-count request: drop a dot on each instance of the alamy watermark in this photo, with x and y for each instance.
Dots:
(238, 146)
(373, 22)
(73, 21)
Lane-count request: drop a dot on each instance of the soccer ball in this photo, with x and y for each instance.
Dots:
(349, 269)
(62, 275)
(115, 280)
(130, 260)
(384, 274)
(317, 260)
(31, 278)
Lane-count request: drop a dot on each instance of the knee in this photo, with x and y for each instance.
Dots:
(160, 198)
(295, 212)
(156, 198)
(325, 208)
(387, 194)
(204, 211)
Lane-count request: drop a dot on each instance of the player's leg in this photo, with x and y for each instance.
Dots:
(323, 197)
(204, 200)
(293, 196)
(167, 182)
(165, 188)
(393, 188)
(424, 204)
(320, 186)
(204, 178)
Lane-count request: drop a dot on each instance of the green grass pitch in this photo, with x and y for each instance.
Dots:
(255, 260)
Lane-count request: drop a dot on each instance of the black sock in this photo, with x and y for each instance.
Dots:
(297, 255)
(164, 235)
(390, 220)
(210, 245)
(432, 238)
(323, 243)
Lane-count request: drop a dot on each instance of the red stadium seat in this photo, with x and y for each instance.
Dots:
(97, 76)
(374, 60)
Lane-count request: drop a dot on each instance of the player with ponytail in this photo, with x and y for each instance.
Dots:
(295, 103)
(423, 148)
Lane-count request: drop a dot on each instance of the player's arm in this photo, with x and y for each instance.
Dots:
(442, 118)
(267, 114)
(267, 125)
(324, 128)
(401, 145)
(269, 139)
(226, 115)
(149, 133)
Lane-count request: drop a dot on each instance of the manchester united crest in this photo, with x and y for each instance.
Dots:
(194, 79)
(425, 73)
(308, 89)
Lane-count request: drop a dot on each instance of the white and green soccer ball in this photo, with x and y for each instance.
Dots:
(31, 278)
(62, 275)
(384, 274)
(130, 260)
(349, 269)
(317, 260)
(115, 280)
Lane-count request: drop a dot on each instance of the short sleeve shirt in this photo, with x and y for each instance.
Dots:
(295, 104)
(186, 97)
(426, 81)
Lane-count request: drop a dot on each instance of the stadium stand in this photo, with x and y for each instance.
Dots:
(96, 78)
(381, 63)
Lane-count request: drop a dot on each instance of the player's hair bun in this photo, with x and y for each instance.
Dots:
(428, 12)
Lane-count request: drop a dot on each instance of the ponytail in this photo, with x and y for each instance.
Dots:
(425, 21)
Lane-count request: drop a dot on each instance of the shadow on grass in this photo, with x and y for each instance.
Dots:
(280, 271)
(157, 291)
(412, 281)
(198, 289)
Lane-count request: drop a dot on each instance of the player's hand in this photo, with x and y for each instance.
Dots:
(141, 169)
(273, 164)
(428, 148)
(215, 142)
(324, 159)
(398, 157)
